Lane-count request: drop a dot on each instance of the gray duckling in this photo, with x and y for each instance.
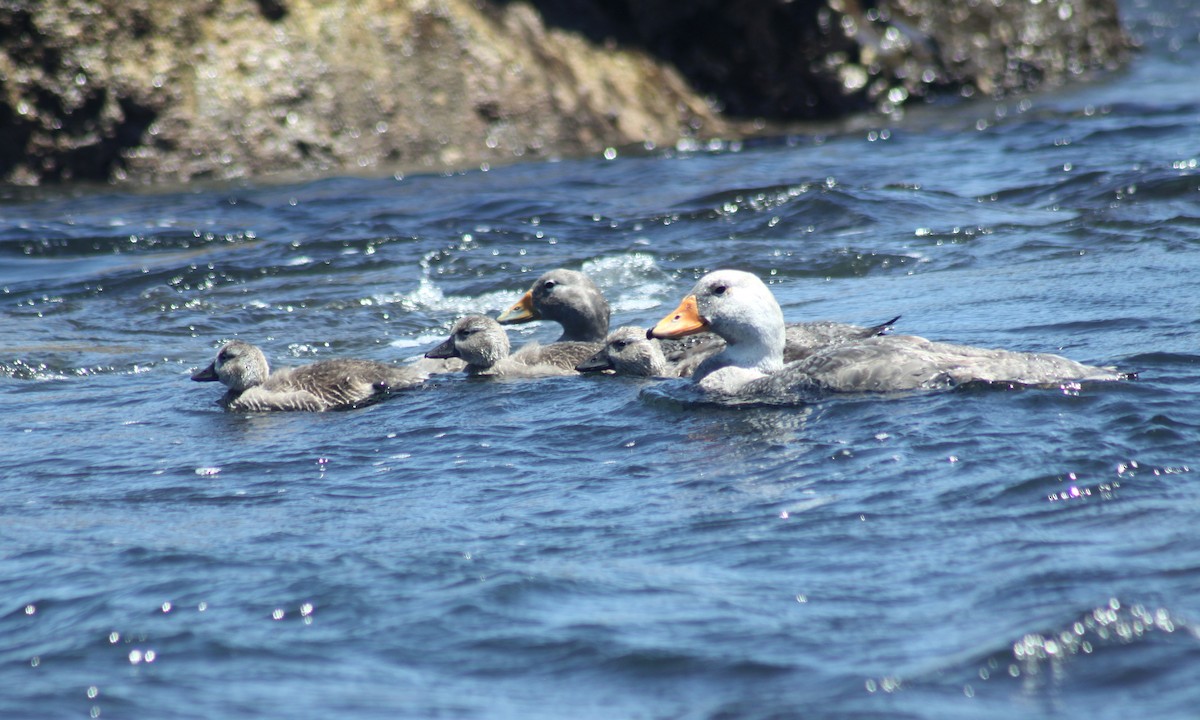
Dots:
(336, 384)
(627, 351)
(483, 344)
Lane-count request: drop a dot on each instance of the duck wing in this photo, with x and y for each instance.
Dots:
(966, 364)
(806, 338)
(340, 383)
(906, 362)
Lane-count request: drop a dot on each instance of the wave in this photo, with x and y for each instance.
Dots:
(1115, 648)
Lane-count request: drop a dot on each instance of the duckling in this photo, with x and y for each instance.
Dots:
(627, 351)
(483, 344)
(336, 384)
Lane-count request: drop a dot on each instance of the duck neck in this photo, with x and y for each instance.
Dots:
(485, 363)
(755, 345)
(587, 324)
(762, 357)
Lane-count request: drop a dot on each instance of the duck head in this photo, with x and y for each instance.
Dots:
(567, 297)
(238, 365)
(477, 339)
(738, 307)
(627, 351)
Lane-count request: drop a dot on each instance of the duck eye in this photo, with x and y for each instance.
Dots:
(620, 345)
(549, 285)
(719, 290)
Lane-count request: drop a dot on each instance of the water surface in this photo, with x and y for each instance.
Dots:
(589, 547)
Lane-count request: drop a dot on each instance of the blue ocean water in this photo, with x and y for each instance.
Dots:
(589, 547)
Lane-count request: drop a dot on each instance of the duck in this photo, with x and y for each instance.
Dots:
(567, 297)
(482, 343)
(627, 351)
(738, 306)
(335, 384)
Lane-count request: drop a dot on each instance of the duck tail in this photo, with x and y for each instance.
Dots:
(883, 327)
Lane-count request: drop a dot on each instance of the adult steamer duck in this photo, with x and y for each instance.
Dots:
(740, 308)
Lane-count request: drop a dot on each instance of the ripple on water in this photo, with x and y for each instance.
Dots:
(1117, 649)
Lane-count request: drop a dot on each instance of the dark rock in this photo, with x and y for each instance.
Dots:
(160, 90)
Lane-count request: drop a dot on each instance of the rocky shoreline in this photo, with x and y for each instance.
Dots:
(153, 90)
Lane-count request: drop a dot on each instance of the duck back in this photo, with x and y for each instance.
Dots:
(324, 385)
(564, 355)
(906, 362)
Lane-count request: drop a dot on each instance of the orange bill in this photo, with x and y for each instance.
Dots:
(521, 312)
(685, 320)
